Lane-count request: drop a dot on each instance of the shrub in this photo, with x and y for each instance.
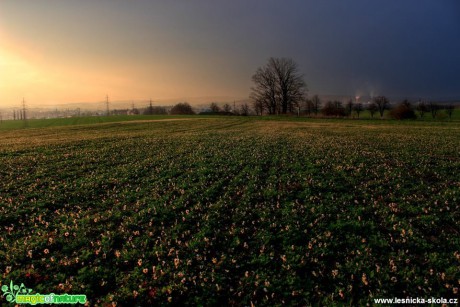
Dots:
(403, 111)
(333, 108)
(182, 109)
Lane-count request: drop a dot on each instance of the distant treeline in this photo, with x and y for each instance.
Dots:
(378, 107)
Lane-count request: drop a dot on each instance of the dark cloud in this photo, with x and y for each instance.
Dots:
(397, 48)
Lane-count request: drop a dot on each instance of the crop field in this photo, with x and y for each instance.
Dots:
(232, 211)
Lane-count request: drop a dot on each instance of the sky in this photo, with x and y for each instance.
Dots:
(54, 52)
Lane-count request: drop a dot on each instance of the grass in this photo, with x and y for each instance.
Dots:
(234, 211)
(72, 121)
(85, 120)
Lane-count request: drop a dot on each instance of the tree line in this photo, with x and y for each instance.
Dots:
(279, 88)
(376, 108)
(314, 107)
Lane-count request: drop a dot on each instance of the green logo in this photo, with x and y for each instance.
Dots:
(14, 290)
(21, 295)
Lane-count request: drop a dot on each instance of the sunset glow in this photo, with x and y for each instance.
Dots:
(61, 52)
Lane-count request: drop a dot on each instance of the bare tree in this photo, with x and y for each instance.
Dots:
(227, 108)
(214, 107)
(328, 109)
(349, 107)
(309, 106)
(382, 104)
(244, 109)
(264, 93)
(433, 108)
(279, 87)
(291, 83)
(358, 108)
(449, 109)
(258, 107)
(372, 108)
(316, 104)
(421, 108)
(333, 108)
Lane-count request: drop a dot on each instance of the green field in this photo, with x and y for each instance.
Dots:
(72, 121)
(85, 120)
(232, 211)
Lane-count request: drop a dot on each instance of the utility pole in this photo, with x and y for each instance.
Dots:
(150, 109)
(107, 104)
(23, 112)
(24, 109)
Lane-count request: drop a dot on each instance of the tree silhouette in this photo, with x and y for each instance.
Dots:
(278, 86)
(382, 104)
(244, 109)
(449, 110)
(316, 104)
(422, 108)
(403, 111)
(349, 107)
(358, 108)
(372, 108)
(182, 109)
(433, 108)
(227, 108)
(214, 107)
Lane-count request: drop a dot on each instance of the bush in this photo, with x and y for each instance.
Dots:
(182, 109)
(150, 110)
(333, 108)
(403, 111)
